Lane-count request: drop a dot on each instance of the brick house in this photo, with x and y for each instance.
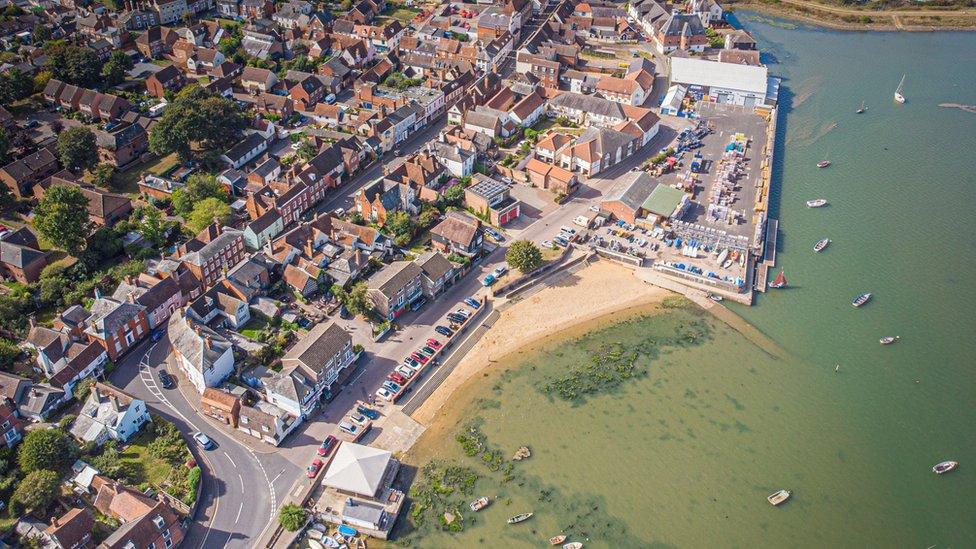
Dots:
(123, 145)
(20, 256)
(394, 287)
(212, 251)
(20, 176)
(170, 78)
(492, 199)
(117, 326)
(458, 233)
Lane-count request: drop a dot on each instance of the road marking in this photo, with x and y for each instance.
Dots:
(231, 460)
(357, 377)
(239, 512)
(242, 481)
(278, 475)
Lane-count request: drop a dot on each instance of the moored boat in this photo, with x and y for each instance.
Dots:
(780, 281)
(779, 497)
(944, 467)
(823, 243)
(573, 545)
(715, 297)
(899, 93)
(556, 540)
(479, 503)
(862, 109)
(888, 340)
(861, 300)
(823, 163)
(521, 517)
(817, 203)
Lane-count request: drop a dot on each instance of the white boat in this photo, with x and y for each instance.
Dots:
(521, 517)
(888, 340)
(722, 256)
(817, 203)
(779, 497)
(945, 467)
(899, 96)
(823, 243)
(479, 503)
(862, 109)
(573, 545)
(313, 544)
(727, 264)
(714, 297)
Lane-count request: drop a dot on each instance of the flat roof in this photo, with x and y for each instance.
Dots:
(701, 72)
(663, 200)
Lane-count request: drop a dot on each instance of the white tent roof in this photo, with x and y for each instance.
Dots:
(733, 76)
(357, 469)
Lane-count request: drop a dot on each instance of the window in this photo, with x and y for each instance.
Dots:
(118, 346)
(138, 329)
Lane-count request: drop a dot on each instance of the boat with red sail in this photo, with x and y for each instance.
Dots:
(780, 281)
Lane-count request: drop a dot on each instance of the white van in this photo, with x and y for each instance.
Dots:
(582, 221)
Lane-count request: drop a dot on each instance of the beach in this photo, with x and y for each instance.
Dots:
(599, 294)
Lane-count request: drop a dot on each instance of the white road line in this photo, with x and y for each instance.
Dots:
(278, 475)
(239, 513)
(242, 481)
(231, 460)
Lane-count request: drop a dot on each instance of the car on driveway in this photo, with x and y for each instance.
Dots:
(313, 468)
(405, 372)
(488, 280)
(384, 393)
(456, 318)
(204, 441)
(327, 446)
(463, 312)
(444, 331)
(494, 234)
(368, 412)
(472, 302)
(349, 428)
(166, 380)
(500, 270)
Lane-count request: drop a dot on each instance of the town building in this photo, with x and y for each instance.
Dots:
(491, 199)
(109, 413)
(395, 287)
(204, 356)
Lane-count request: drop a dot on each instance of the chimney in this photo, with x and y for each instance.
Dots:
(55, 522)
(217, 225)
(114, 401)
(130, 298)
(31, 321)
(309, 248)
(95, 391)
(207, 342)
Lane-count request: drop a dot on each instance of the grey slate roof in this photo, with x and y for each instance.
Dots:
(394, 277)
(323, 342)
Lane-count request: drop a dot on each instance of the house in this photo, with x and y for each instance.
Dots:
(382, 197)
(223, 300)
(553, 178)
(395, 287)
(122, 145)
(117, 325)
(64, 358)
(204, 356)
(307, 92)
(20, 256)
(73, 530)
(213, 251)
(632, 89)
(221, 405)
(458, 161)
(311, 369)
(597, 149)
(169, 78)
(147, 523)
(244, 151)
(34, 401)
(266, 422)
(528, 109)
(626, 200)
(256, 80)
(362, 478)
(439, 273)
(709, 11)
(492, 199)
(104, 208)
(263, 229)
(458, 233)
(161, 298)
(20, 176)
(156, 41)
(109, 413)
(11, 429)
(278, 105)
(681, 31)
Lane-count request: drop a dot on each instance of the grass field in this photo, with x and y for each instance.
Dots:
(143, 467)
(128, 180)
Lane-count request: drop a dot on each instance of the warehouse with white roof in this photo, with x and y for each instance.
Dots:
(725, 83)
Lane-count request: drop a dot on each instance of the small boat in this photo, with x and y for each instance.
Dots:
(823, 163)
(780, 281)
(861, 110)
(315, 544)
(728, 263)
(347, 530)
(944, 467)
(574, 545)
(556, 540)
(823, 243)
(330, 542)
(779, 497)
(715, 297)
(479, 503)
(521, 517)
(899, 95)
(888, 340)
(723, 256)
(817, 203)
(861, 300)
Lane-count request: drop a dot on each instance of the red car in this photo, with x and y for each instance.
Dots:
(420, 358)
(434, 343)
(313, 469)
(327, 446)
(395, 377)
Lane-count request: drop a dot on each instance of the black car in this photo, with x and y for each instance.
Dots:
(368, 412)
(454, 317)
(166, 380)
(304, 323)
(444, 331)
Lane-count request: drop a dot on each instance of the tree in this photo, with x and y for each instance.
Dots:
(77, 148)
(197, 117)
(37, 490)
(115, 68)
(103, 175)
(73, 64)
(83, 388)
(15, 85)
(198, 187)
(62, 217)
(356, 300)
(9, 351)
(4, 146)
(205, 211)
(152, 227)
(454, 196)
(306, 151)
(401, 227)
(524, 256)
(50, 449)
(40, 34)
(291, 517)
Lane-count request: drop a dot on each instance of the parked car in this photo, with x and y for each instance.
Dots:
(419, 358)
(463, 312)
(417, 305)
(395, 377)
(349, 428)
(304, 323)
(488, 280)
(313, 468)
(411, 363)
(456, 318)
(494, 234)
(500, 270)
(204, 441)
(368, 412)
(444, 331)
(384, 393)
(472, 302)
(404, 371)
(327, 445)
(166, 380)
(391, 386)
(546, 243)
(359, 418)
(431, 342)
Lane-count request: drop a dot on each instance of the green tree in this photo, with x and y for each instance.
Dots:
(4, 146)
(291, 517)
(428, 217)
(197, 117)
(73, 64)
(454, 196)
(62, 217)
(77, 148)
(356, 300)
(205, 211)
(109, 462)
(401, 227)
(151, 225)
(50, 449)
(198, 187)
(15, 85)
(115, 68)
(306, 151)
(103, 175)
(524, 256)
(9, 351)
(37, 490)
(83, 388)
(40, 34)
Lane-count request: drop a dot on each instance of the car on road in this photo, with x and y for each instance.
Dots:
(166, 380)
(444, 331)
(349, 428)
(488, 280)
(385, 394)
(204, 441)
(396, 377)
(313, 468)
(405, 371)
(567, 230)
(327, 445)
(431, 342)
(594, 208)
(391, 386)
(472, 302)
(359, 418)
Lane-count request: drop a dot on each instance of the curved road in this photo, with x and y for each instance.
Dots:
(240, 492)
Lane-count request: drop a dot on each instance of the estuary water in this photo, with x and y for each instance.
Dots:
(685, 454)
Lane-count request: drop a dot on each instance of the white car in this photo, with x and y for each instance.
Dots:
(567, 230)
(359, 418)
(546, 243)
(338, 212)
(594, 208)
(348, 427)
(384, 394)
(405, 371)
(500, 270)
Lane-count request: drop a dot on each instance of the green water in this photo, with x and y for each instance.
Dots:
(685, 456)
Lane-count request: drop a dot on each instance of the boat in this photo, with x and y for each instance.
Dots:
(861, 300)
(888, 340)
(479, 503)
(521, 517)
(315, 544)
(347, 530)
(823, 163)
(556, 540)
(861, 110)
(780, 281)
(817, 203)
(779, 497)
(723, 256)
(823, 243)
(330, 542)
(573, 545)
(899, 95)
(715, 297)
(728, 263)
(944, 467)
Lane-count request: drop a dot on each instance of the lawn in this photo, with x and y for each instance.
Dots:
(254, 327)
(128, 180)
(405, 15)
(143, 467)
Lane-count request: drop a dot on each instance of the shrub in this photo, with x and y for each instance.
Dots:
(291, 517)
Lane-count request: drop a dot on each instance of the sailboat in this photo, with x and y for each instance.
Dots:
(861, 110)
(780, 281)
(823, 163)
(899, 96)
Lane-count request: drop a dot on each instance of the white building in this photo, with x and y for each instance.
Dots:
(723, 83)
(109, 413)
(204, 356)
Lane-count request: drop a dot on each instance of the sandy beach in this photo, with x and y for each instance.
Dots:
(600, 293)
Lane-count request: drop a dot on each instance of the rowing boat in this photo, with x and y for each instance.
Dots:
(521, 517)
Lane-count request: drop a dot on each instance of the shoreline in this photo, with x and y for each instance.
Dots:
(800, 14)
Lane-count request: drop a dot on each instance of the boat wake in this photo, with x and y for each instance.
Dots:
(967, 108)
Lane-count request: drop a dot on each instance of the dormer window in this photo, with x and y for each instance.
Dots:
(159, 522)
